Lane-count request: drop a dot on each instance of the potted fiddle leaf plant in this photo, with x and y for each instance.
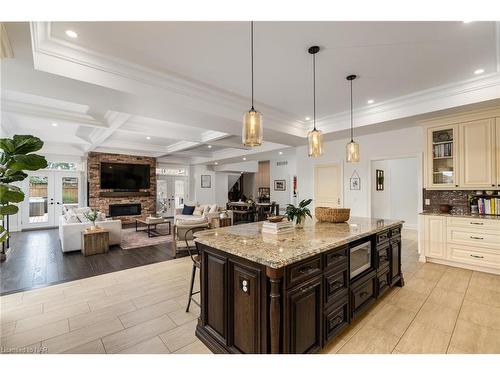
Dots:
(92, 216)
(299, 213)
(16, 156)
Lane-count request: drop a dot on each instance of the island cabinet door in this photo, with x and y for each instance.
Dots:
(303, 317)
(396, 258)
(214, 296)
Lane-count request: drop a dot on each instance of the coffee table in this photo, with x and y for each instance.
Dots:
(151, 224)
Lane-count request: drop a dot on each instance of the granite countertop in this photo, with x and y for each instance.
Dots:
(473, 216)
(276, 251)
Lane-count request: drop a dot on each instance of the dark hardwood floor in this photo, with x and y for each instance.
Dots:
(36, 260)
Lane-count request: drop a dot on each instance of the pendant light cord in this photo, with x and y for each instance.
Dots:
(314, 91)
(251, 53)
(351, 114)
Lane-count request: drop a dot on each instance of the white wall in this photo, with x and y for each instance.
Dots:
(282, 172)
(400, 197)
(197, 193)
(387, 145)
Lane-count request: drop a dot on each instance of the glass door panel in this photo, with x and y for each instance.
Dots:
(70, 193)
(443, 147)
(38, 210)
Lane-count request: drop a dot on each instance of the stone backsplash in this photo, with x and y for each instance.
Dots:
(148, 203)
(456, 198)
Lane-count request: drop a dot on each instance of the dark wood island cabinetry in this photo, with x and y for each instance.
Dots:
(292, 293)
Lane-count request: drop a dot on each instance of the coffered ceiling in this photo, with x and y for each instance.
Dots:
(177, 90)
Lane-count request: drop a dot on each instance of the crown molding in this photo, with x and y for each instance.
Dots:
(59, 56)
(437, 98)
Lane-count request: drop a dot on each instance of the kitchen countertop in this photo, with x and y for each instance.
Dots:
(276, 251)
(473, 216)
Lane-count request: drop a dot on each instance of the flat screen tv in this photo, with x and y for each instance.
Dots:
(125, 177)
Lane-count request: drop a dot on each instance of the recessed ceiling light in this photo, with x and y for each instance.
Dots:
(71, 34)
(308, 118)
(54, 124)
(216, 163)
(479, 71)
(467, 21)
(244, 158)
(281, 152)
(148, 137)
(209, 146)
(371, 101)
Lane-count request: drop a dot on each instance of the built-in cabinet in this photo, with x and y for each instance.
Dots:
(463, 151)
(465, 242)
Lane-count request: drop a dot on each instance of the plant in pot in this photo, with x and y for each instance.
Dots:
(92, 216)
(16, 156)
(299, 213)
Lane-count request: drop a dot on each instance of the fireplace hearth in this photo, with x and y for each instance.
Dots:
(124, 209)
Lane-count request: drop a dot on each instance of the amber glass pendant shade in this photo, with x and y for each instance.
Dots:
(252, 128)
(315, 143)
(352, 152)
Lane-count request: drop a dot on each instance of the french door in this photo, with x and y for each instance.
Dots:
(46, 193)
(171, 193)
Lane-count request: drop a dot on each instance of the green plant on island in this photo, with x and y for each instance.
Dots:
(298, 213)
(16, 156)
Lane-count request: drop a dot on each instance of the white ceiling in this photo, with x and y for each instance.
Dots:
(186, 84)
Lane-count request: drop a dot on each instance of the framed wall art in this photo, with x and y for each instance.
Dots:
(206, 181)
(279, 185)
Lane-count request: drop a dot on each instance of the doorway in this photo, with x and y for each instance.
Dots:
(327, 185)
(171, 193)
(46, 194)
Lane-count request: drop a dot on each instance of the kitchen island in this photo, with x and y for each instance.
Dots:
(293, 292)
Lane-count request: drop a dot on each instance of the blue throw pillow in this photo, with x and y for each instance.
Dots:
(188, 210)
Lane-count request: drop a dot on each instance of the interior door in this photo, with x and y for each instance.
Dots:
(327, 185)
(39, 203)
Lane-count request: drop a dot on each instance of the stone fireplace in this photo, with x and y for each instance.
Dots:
(128, 205)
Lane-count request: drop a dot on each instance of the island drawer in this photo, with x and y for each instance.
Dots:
(384, 279)
(336, 318)
(337, 257)
(382, 237)
(395, 231)
(363, 293)
(383, 256)
(303, 271)
(336, 284)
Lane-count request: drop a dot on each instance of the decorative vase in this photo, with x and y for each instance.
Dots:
(299, 224)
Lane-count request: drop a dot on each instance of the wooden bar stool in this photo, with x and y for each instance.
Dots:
(195, 257)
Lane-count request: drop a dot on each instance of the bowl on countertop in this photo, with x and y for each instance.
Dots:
(445, 208)
(275, 219)
(332, 215)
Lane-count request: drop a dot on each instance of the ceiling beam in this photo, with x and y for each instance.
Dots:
(114, 121)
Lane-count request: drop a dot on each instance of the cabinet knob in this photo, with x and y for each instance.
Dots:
(456, 185)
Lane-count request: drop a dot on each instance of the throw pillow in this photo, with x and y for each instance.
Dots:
(213, 208)
(71, 219)
(198, 211)
(188, 210)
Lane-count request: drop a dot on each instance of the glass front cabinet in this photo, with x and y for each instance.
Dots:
(442, 166)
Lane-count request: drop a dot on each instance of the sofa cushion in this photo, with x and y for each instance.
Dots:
(71, 219)
(190, 221)
(198, 211)
(188, 210)
(213, 208)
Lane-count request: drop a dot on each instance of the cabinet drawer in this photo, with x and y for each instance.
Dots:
(363, 294)
(336, 257)
(395, 231)
(382, 237)
(473, 223)
(384, 279)
(474, 237)
(383, 256)
(303, 271)
(336, 319)
(336, 285)
(477, 256)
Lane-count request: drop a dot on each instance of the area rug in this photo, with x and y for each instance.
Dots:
(133, 240)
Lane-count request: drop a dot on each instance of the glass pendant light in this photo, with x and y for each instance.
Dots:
(352, 148)
(314, 137)
(252, 120)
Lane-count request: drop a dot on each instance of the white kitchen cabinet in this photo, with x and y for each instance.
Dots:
(477, 154)
(434, 236)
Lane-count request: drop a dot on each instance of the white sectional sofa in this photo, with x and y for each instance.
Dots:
(205, 213)
(70, 230)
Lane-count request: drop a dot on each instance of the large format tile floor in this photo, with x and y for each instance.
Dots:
(141, 310)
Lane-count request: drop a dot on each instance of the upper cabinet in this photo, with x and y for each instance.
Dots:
(463, 151)
(477, 154)
(442, 161)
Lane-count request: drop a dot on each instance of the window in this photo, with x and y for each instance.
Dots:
(62, 166)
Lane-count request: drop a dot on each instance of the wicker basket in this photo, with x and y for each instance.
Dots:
(332, 215)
